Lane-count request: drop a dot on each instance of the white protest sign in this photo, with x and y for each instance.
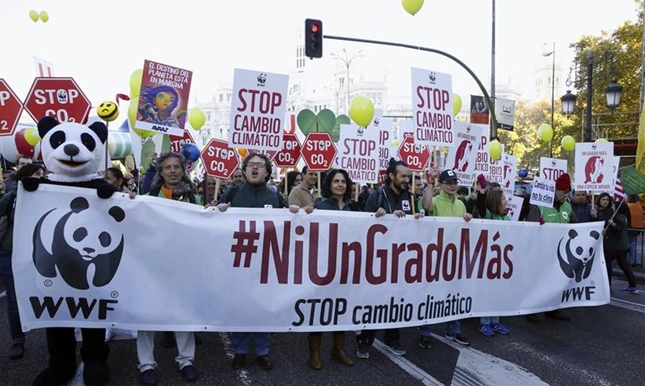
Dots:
(552, 168)
(384, 128)
(432, 107)
(358, 149)
(543, 193)
(258, 109)
(596, 174)
(510, 171)
(514, 207)
(462, 155)
(614, 173)
(482, 161)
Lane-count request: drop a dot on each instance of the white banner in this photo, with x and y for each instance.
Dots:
(155, 264)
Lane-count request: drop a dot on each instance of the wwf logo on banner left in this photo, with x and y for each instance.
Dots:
(577, 254)
(87, 244)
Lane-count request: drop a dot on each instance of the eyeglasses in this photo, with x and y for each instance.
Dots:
(258, 165)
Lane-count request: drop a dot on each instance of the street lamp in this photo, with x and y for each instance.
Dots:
(545, 54)
(613, 93)
(348, 62)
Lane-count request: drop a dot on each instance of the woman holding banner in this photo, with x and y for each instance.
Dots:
(336, 193)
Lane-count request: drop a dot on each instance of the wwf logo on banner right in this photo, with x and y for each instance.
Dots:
(576, 254)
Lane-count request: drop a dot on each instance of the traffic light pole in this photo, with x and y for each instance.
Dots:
(493, 117)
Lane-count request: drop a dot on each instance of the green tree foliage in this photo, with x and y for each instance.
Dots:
(617, 56)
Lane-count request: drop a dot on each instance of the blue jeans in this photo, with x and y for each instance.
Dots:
(6, 273)
(453, 328)
(240, 341)
(633, 250)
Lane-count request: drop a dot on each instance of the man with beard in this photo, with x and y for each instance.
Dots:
(391, 198)
(445, 204)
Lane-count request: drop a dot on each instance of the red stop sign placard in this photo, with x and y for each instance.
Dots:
(416, 156)
(10, 109)
(220, 160)
(318, 151)
(59, 98)
(289, 156)
(176, 142)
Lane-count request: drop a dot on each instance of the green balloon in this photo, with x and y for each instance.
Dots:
(306, 121)
(326, 120)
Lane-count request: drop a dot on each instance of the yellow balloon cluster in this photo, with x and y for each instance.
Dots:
(495, 149)
(196, 118)
(412, 6)
(135, 83)
(42, 16)
(361, 110)
(456, 104)
(545, 132)
(568, 143)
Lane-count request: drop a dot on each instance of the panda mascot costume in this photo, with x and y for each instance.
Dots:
(72, 154)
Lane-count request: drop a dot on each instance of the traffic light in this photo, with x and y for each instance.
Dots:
(313, 38)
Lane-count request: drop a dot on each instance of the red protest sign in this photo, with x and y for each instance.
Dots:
(318, 151)
(10, 109)
(289, 156)
(416, 156)
(220, 160)
(59, 98)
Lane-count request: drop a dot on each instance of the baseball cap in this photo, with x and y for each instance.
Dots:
(447, 176)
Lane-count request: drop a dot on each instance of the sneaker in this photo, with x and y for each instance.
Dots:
(486, 329)
(363, 351)
(424, 342)
(498, 327)
(458, 338)
(396, 349)
(189, 373)
(631, 290)
(148, 378)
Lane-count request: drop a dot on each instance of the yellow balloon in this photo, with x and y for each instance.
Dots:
(495, 150)
(412, 6)
(395, 142)
(133, 108)
(31, 136)
(601, 140)
(33, 15)
(135, 83)
(545, 132)
(456, 104)
(568, 143)
(196, 118)
(44, 16)
(361, 110)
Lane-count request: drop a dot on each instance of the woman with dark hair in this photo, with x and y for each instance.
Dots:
(294, 178)
(7, 207)
(114, 177)
(616, 240)
(336, 193)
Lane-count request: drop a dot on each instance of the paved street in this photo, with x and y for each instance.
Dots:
(600, 346)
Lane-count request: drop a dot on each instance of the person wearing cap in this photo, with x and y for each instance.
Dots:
(445, 204)
(560, 213)
(391, 198)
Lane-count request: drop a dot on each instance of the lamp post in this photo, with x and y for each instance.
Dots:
(552, 54)
(613, 94)
(347, 61)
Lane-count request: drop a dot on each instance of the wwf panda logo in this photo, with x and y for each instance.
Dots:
(577, 254)
(87, 245)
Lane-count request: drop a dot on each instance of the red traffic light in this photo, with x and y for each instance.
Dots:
(313, 38)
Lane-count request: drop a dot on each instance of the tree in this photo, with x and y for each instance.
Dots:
(617, 56)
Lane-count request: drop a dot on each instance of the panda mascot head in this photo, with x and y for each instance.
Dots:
(72, 152)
